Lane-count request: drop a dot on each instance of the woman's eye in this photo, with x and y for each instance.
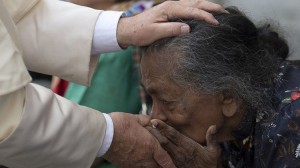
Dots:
(164, 102)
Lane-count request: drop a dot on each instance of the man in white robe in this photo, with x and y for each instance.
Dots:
(41, 129)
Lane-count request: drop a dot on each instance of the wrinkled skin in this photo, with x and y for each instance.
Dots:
(151, 25)
(188, 110)
(133, 146)
(185, 152)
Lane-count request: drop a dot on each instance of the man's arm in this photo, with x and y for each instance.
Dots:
(39, 128)
(48, 122)
(53, 132)
(58, 36)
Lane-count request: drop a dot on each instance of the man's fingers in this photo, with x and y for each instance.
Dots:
(207, 6)
(170, 29)
(144, 120)
(212, 7)
(195, 13)
(186, 11)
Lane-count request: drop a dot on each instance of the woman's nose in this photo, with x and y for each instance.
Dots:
(156, 113)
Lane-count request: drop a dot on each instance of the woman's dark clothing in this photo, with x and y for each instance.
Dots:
(271, 138)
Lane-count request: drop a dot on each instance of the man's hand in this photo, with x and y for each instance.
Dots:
(151, 25)
(185, 152)
(133, 146)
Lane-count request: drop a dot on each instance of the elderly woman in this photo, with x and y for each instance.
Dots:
(218, 86)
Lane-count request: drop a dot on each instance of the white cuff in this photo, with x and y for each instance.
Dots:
(109, 134)
(105, 33)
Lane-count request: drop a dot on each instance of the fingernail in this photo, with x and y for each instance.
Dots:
(226, 11)
(154, 124)
(185, 29)
(215, 21)
(214, 130)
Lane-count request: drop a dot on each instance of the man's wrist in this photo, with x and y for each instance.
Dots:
(109, 133)
(105, 33)
(123, 36)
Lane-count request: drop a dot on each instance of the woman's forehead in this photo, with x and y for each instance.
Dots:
(161, 63)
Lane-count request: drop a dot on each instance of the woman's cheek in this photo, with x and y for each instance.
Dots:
(176, 117)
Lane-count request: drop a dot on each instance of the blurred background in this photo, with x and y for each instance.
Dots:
(285, 14)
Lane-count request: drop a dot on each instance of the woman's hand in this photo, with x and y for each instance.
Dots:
(185, 152)
(133, 146)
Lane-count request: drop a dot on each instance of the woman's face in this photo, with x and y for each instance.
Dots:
(188, 111)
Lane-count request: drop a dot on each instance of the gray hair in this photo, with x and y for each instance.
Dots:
(234, 58)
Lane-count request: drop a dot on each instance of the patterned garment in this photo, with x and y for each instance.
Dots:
(134, 7)
(271, 138)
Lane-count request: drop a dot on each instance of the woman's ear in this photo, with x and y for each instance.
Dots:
(229, 104)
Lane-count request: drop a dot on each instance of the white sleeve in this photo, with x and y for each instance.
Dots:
(109, 133)
(105, 33)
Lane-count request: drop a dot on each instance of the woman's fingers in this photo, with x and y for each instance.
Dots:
(169, 132)
(163, 158)
(211, 140)
(163, 140)
(184, 150)
(168, 136)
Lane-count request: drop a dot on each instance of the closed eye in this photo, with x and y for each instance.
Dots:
(165, 102)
